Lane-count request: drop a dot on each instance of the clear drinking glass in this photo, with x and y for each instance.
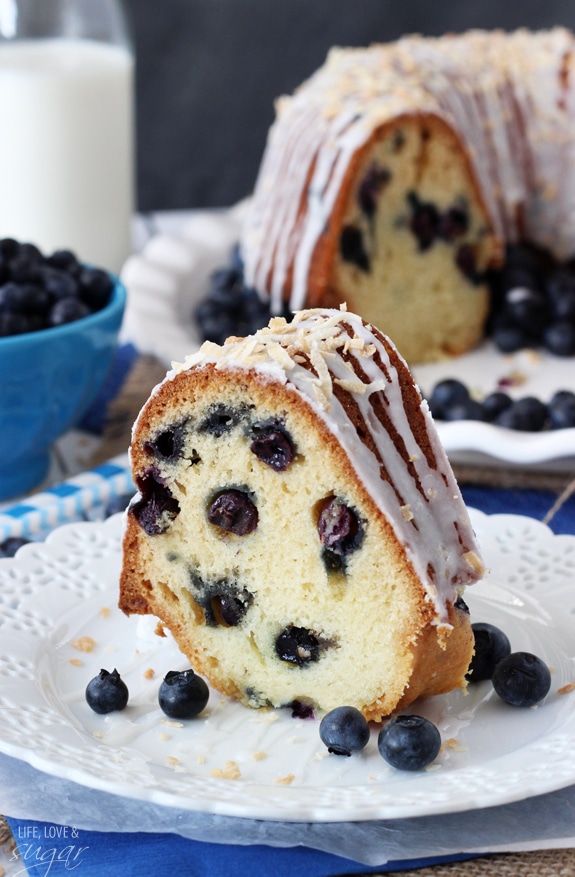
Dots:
(67, 142)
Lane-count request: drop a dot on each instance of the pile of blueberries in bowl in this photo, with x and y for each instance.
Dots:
(532, 307)
(59, 327)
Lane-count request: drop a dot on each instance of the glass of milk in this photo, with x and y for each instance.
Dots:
(67, 141)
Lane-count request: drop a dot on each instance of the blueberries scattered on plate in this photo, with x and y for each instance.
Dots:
(533, 302)
(344, 730)
(107, 692)
(230, 307)
(40, 292)
(451, 400)
(521, 679)
(182, 694)
(409, 742)
(491, 646)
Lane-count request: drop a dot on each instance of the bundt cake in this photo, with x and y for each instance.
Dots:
(394, 177)
(298, 528)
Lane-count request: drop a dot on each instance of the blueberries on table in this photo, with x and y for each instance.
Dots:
(344, 730)
(107, 692)
(38, 292)
(409, 742)
(491, 646)
(521, 679)
(10, 546)
(183, 694)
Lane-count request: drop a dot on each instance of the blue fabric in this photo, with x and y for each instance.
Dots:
(533, 503)
(94, 419)
(97, 854)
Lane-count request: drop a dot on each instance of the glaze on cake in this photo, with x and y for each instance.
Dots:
(299, 529)
(394, 177)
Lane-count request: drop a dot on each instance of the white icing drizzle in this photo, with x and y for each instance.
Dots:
(509, 97)
(419, 496)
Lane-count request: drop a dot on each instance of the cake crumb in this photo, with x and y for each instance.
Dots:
(76, 662)
(566, 689)
(230, 772)
(259, 755)
(172, 724)
(164, 737)
(83, 644)
(453, 743)
(201, 759)
(406, 513)
(149, 673)
(99, 735)
(172, 760)
(269, 717)
(287, 780)
(105, 612)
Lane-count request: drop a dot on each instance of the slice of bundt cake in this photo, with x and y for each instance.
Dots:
(394, 176)
(298, 527)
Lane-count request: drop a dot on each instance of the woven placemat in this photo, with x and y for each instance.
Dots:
(541, 863)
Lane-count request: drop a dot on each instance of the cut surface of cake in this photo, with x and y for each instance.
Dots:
(394, 177)
(298, 527)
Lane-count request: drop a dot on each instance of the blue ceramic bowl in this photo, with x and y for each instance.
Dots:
(48, 379)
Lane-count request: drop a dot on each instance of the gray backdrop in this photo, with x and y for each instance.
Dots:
(208, 72)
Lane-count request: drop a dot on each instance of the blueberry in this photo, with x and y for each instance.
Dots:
(352, 248)
(561, 293)
(67, 310)
(370, 188)
(157, 508)
(221, 419)
(469, 409)
(447, 393)
(229, 608)
(107, 692)
(96, 287)
(13, 324)
(491, 646)
(409, 742)
(561, 408)
(495, 403)
(298, 646)
(526, 308)
(10, 546)
(183, 694)
(300, 709)
(214, 323)
(466, 261)
(528, 415)
(64, 260)
(344, 730)
(169, 444)
(521, 679)
(424, 222)
(233, 511)
(453, 223)
(508, 337)
(339, 528)
(60, 284)
(559, 339)
(273, 446)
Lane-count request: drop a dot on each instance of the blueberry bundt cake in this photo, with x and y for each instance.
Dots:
(394, 177)
(298, 528)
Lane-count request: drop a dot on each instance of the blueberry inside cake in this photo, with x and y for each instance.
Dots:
(298, 527)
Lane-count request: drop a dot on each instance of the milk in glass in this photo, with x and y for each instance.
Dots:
(66, 147)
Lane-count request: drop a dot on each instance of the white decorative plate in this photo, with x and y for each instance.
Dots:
(171, 275)
(268, 765)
